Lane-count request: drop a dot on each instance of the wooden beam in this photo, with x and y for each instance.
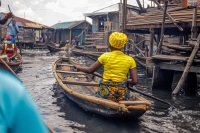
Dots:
(194, 69)
(169, 58)
(147, 26)
(159, 49)
(140, 6)
(139, 62)
(179, 47)
(80, 83)
(180, 28)
(187, 68)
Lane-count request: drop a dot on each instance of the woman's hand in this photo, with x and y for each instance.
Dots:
(77, 67)
(9, 15)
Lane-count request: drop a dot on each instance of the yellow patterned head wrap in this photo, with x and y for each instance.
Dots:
(118, 40)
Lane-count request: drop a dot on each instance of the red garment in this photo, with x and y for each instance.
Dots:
(9, 49)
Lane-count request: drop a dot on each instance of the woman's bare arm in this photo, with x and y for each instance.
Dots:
(134, 76)
(90, 69)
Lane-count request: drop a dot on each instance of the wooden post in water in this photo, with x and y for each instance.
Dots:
(194, 25)
(158, 40)
(124, 14)
(163, 29)
(151, 42)
(187, 68)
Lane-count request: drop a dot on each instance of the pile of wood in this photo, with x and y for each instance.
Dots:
(179, 14)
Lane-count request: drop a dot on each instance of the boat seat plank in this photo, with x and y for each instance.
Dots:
(80, 83)
(70, 72)
(3, 56)
(60, 64)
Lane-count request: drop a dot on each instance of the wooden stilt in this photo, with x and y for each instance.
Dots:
(158, 40)
(187, 68)
(162, 30)
(194, 25)
(151, 42)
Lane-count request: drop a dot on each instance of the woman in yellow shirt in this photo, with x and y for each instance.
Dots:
(116, 67)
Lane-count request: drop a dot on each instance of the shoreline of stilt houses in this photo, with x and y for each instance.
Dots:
(162, 39)
(175, 35)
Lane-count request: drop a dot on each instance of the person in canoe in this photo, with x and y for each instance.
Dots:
(10, 49)
(116, 65)
(66, 46)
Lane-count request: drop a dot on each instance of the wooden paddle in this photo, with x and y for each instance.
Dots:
(10, 69)
(155, 98)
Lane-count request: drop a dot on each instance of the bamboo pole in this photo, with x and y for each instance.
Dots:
(163, 29)
(187, 68)
(180, 28)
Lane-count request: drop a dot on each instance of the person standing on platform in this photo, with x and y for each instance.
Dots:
(76, 40)
(13, 30)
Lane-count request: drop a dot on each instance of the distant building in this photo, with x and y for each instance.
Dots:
(110, 18)
(30, 32)
(68, 30)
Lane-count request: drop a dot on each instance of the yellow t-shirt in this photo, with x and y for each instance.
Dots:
(116, 65)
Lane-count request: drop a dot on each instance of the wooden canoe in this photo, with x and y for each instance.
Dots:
(81, 88)
(13, 66)
(52, 48)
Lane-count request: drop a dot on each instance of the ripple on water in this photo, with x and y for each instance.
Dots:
(65, 116)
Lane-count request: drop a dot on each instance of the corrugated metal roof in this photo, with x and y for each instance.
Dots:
(67, 25)
(112, 8)
(26, 23)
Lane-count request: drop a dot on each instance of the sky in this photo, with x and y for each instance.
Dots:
(50, 12)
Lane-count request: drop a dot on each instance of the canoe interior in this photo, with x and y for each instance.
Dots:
(13, 66)
(84, 95)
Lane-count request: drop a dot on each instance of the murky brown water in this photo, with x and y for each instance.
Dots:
(66, 117)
